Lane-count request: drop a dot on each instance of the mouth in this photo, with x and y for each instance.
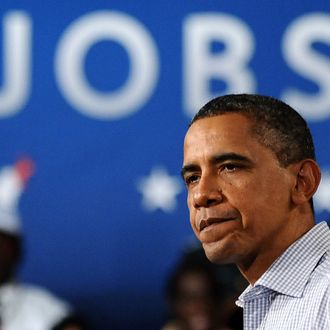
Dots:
(211, 221)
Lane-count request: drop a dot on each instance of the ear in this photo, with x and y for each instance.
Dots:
(308, 176)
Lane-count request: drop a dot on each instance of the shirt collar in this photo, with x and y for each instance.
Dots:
(290, 272)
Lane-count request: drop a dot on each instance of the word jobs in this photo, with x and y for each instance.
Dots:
(200, 64)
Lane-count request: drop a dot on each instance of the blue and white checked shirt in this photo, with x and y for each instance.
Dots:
(294, 293)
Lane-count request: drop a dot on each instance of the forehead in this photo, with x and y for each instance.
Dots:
(229, 133)
(227, 128)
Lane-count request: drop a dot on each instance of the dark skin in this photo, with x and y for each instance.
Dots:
(9, 256)
(245, 207)
(195, 306)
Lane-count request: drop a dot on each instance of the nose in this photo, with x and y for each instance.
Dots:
(208, 193)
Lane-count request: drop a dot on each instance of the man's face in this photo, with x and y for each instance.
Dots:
(238, 194)
(195, 305)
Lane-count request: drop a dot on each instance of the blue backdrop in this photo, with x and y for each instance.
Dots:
(99, 94)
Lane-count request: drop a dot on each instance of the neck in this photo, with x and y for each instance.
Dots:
(253, 268)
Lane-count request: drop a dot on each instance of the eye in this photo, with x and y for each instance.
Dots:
(189, 179)
(231, 167)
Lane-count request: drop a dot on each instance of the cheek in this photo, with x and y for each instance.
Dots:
(247, 197)
(260, 203)
(252, 191)
(239, 193)
(188, 200)
(192, 212)
(190, 203)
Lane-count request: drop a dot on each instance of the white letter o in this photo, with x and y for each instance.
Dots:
(71, 53)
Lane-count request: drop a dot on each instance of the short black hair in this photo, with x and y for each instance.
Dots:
(275, 124)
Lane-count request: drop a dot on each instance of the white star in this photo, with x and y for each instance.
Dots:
(159, 190)
(322, 196)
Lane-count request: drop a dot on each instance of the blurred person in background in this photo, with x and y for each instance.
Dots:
(22, 306)
(200, 295)
(72, 322)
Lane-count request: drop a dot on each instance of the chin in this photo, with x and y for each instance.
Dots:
(218, 253)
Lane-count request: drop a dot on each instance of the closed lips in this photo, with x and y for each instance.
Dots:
(210, 221)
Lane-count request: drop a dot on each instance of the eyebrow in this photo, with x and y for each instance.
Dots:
(216, 159)
(229, 156)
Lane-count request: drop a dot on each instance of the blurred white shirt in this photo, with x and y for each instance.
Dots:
(27, 307)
